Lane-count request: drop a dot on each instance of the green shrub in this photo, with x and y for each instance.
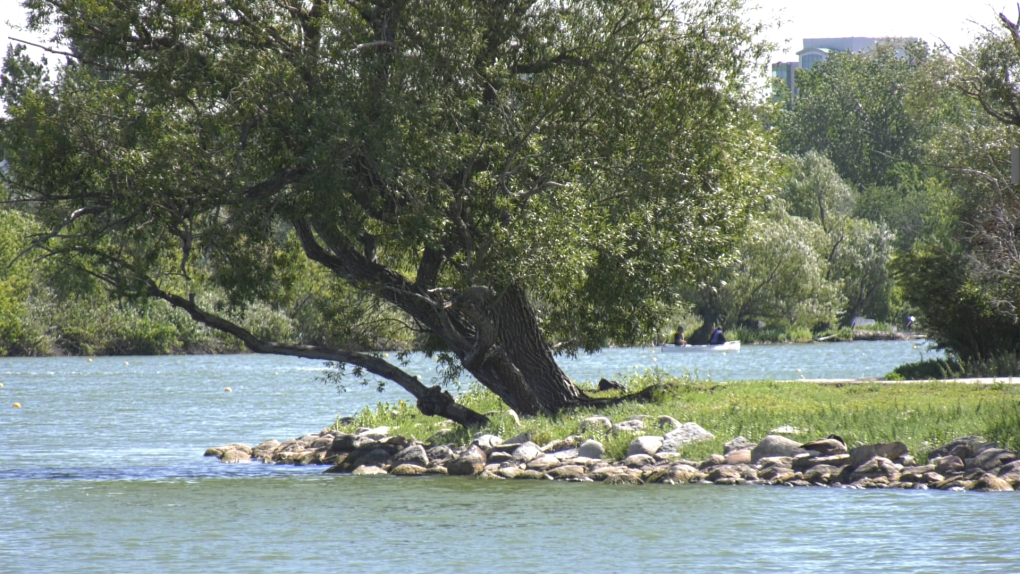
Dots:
(1004, 364)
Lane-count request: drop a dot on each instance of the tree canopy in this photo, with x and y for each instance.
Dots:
(504, 173)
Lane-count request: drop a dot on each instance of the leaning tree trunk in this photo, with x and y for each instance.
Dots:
(519, 335)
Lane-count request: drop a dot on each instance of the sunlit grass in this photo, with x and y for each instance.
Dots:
(922, 415)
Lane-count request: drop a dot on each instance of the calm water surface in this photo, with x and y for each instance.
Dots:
(101, 471)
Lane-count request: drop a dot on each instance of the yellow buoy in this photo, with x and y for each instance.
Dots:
(1, 385)
(385, 355)
(125, 362)
(17, 405)
(90, 360)
(228, 389)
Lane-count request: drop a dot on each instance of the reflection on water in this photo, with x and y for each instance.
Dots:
(102, 471)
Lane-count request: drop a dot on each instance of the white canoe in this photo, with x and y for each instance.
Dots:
(727, 346)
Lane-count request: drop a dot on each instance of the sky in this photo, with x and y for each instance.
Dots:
(954, 22)
(934, 21)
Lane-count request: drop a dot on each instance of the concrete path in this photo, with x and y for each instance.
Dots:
(974, 381)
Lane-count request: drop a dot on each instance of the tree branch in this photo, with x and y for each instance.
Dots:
(431, 401)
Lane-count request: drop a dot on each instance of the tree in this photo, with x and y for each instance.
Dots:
(465, 162)
(856, 109)
(782, 276)
(963, 273)
(856, 251)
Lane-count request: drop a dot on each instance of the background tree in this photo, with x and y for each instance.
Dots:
(456, 160)
(856, 109)
(964, 274)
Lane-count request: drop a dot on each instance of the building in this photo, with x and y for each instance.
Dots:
(818, 50)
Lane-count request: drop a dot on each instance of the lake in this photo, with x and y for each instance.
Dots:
(101, 471)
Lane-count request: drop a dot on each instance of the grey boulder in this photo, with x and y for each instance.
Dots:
(775, 445)
(687, 433)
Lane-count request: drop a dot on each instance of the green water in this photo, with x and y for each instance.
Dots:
(101, 471)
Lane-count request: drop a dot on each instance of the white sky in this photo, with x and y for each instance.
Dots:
(931, 20)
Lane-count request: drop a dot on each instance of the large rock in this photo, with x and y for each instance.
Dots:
(509, 471)
(414, 454)
(645, 445)
(742, 456)
(638, 460)
(688, 433)
(439, 453)
(470, 462)
(990, 483)
(605, 472)
(347, 443)
(568, 472)
(596, 423)
(377, 433)
(777, 473)
(544, 462)
(632, 426)
(591, 448)
(265, 450)
(948, 464)
(826, 446)
(992, 457)
(738, 443)
(488, 441)
(407, 470)
(235, 456)
(775, 445)
(877, 467)
(368, 471)
(1012, 477)
(380, 457)
(498, 456)
(889, 450)
(527, 452)
(624, 479)
(684, 473)
(324, 442)
(712, 460)
(968, 443)
(563, 455)
(822, 473)
(804, 462)
(723, 471)
(607, 385)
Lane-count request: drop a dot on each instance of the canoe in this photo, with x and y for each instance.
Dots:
(727, 346)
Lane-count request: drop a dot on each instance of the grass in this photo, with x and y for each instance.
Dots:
(922, 415)
(770, 335)
(1004, 364)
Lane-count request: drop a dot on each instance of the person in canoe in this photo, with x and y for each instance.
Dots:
(678, 337)
(717, 337)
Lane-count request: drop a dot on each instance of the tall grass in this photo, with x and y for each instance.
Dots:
(1003, 364)
(922, 415)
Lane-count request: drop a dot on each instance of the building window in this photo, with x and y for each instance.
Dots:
(810, 60)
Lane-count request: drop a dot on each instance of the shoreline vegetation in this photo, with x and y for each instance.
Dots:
(949, 436)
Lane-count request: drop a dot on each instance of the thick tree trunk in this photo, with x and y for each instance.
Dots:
(519, 335)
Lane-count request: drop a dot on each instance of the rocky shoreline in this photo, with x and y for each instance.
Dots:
(967, 463)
